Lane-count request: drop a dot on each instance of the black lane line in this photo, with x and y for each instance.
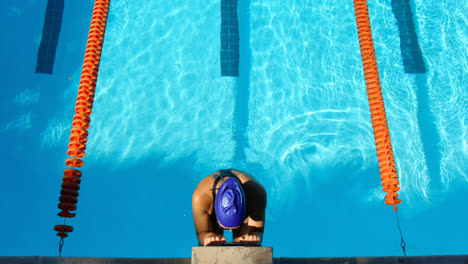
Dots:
(50, 36)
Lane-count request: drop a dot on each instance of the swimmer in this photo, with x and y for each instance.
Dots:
(232, 200)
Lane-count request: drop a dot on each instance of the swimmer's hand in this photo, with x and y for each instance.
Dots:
(215, 240)
(251, 240)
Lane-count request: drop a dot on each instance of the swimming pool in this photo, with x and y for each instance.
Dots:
(297, 117)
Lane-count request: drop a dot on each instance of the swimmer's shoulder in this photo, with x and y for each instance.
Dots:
(244, 176)
(206, 184)
(203, 192)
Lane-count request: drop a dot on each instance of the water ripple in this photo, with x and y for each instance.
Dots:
(160, 93)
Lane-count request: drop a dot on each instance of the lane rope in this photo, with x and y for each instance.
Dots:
(383, 143)
(81, 119)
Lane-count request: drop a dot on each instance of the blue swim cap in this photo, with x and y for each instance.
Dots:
(230, 204)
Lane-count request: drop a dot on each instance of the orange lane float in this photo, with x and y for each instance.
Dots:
(81, 120)
(385, 156)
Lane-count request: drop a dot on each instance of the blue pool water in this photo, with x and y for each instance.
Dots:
(297, 117)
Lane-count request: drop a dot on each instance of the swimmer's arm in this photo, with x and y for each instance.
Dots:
(256, 220)
(253, 228)
(201, 220)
